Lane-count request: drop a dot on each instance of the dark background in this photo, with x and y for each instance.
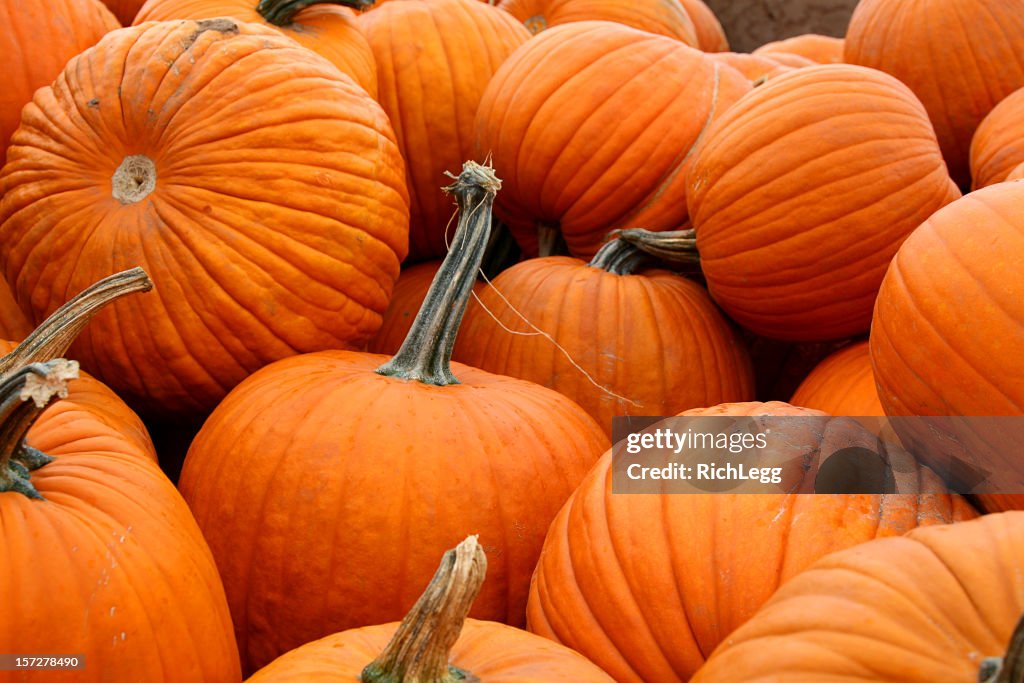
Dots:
(749, 24)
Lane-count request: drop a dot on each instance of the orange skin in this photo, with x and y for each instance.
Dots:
(434, 60)
(960, 57)
(13, 322)
(916, 609)
(646, 586)
(540, 123)
(249, 263)
(665, 18)
(329, 30)
(493, 652)
(842, 384)
(817, 48)
(794, 242)
(756, 67)
(710, 35)
(660, 343)
(37, 41)
(124, 10)
(364, 480)
(996, 148)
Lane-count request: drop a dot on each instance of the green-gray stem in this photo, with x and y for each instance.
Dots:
(282, 12)
(24, 394)
(425, 355)
(630, 250)
(420, 649)
(1007, 669)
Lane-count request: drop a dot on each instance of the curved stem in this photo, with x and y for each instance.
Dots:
(24, 394)
(425, 355)
(53, 337)
(619, 257)
(1007, 669)
(282, 12)
(420, 649)
(631, 249)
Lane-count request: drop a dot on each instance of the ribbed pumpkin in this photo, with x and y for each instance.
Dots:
(949, 322)
(758, 68)
(124, 10)
(592, 81)
(842, 384)
(960, 57)
(663, 17)
(646, 586)
(328, 27)
(101, 555)
(435, 642)
(802, 193)
(272, 221)
(616, 337)
(710, 36)
(37, 40)
(997, 147)
(14, 325)
(354, 456)
(916, 609)
(1017, 173)
(434, 59)
(812, 46)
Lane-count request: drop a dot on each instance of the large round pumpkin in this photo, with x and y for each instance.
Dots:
(434, 59)
(592, 81)
(759, 68)
(710, 35)
(960, 57)
(802, 193)
(997, 147)
(663, 17)
(646, 586)
(842, 384)
(354, 456)
(324, 26)
(272, 217)
(916, 609)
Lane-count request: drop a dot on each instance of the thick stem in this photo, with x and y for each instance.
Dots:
(24, 394)
(1007, 669)
(282, 12)
(53, 337)
(426, 353)
(420, 649)
(631, 249)
(550, 241)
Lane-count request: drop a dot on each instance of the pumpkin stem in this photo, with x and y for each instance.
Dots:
(550, 241)
(420, 648)
(631, 249)
(1008, 669)
(282, 12)
(40, 382)
(425, 355)
(53, 337)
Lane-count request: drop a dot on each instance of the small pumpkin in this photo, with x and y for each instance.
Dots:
(842, 384)
(710, 35)
(663, 17)
(759, 68)
(435, 642)
(996, 148)
(915, 609)
(813, 46)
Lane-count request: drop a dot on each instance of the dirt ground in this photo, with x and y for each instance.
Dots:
(751, 23)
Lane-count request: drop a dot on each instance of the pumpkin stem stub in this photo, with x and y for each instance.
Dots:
(629, 250)
(24, 394)
(134, 179)
(1008, 669)
(282, 12)
(425, 355)
(420, 649)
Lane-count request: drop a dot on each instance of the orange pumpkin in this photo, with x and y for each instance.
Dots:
(124, 10)
(997, 148)
(817, 48)
(710, 36)
(357, 456)
(434, 59)
(539, 123)
(1017, 173)
(14, 324)
(646, 586)
(261, 243)
(758, 68)
(663, 17)
(328, 27)
(37, 40)
(916, 609)
(960, 57)
(793, 239)
(842, 384)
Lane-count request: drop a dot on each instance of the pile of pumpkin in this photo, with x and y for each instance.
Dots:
(233, 214)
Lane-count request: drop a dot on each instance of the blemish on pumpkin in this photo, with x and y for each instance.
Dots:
(134, 179)
(221, 25)
(93, 103)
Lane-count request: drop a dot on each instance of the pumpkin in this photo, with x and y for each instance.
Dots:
(587, 81)
(915, 609)
(124, 10)
(812, 46)
(328, 27)
(1017, 173)
(663, 17)
(102, 558)
(842, 384)
(353, 455)
(960, 57)
(261, 244)
(710, 36)
(780, 367)
(37, 41)
(646, 586)
(948, 326)
(759, 68)
(13, 323)
(658, 346)
(996, 148)
(435, 642)
(793, 239)
(434, 59)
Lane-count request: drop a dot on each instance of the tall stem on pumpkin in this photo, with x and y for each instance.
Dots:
(1007, 669)
(425, 355)
(282, 12)
(632, 249)
(420, 649)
